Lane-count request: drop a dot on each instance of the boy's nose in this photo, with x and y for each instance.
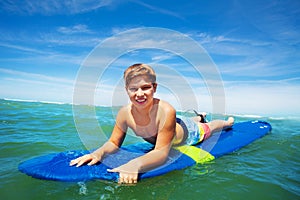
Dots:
(139, 92)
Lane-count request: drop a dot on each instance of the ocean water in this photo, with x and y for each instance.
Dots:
(269, 168)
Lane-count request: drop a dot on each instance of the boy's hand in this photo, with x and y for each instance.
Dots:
(91, 158)
(127, 174)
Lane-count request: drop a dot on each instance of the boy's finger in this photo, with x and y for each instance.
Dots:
(81, 162)
(73, 162)
(113, 170)
(94, 161)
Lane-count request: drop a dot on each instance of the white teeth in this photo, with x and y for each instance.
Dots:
(140, 100)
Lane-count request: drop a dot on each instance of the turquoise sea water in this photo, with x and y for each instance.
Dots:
(266, 169)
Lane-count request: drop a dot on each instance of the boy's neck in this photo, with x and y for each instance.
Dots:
(144, 111)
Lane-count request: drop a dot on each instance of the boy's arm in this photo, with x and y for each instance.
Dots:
(163, 144)
(129, 171)
(112, 145)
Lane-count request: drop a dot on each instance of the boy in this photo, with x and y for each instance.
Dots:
(152, 119)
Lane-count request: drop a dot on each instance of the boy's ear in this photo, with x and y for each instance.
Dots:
(126, 89)
(154, 86)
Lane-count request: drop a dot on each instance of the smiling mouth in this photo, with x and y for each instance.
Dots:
(140, 100)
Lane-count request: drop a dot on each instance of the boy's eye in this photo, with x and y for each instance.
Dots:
(146, 87)
(133, 89)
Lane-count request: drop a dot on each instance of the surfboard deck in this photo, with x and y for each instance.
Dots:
(56, 166)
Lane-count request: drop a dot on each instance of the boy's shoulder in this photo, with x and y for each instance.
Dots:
(124, 109)
(165, 106)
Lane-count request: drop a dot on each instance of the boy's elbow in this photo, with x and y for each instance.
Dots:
(163, 157)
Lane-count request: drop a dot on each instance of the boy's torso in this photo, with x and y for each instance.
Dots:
(147, 125)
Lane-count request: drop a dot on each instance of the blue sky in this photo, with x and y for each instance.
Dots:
(255, 46)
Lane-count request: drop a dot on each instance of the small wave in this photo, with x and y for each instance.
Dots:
(20, 100)
(83, 189)
(270, 117)
(246, 116)
(36, 101)
(54, 102)
(294, 118)
(277, 118)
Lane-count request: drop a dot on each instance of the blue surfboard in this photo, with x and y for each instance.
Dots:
(56, 166)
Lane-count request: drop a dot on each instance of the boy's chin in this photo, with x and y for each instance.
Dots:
(140, 104)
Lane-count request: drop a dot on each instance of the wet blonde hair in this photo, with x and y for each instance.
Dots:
(139, 69)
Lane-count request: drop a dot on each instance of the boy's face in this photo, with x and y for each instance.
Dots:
(140, 91)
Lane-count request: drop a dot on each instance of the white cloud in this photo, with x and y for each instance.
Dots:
(51, 7)
(37, 56)
(22, 48)
(230, 45)
(251, 58)
(158, 9)
(265, 100)
(33, 76)
(79, 28)
(39, 90)
(276, 19)
(31, 86)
